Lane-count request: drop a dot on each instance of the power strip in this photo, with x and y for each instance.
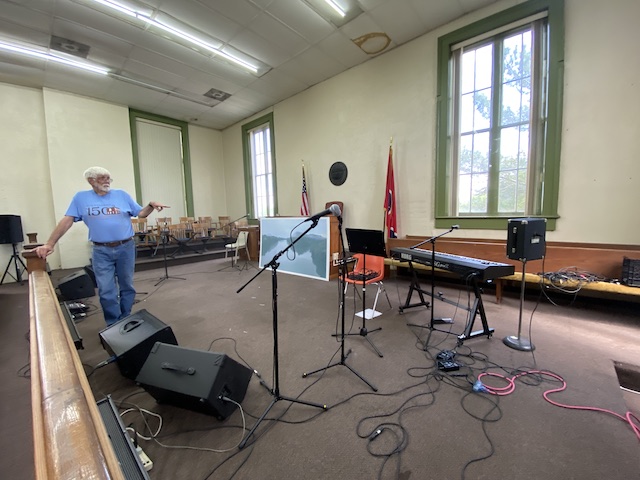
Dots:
(146, 461)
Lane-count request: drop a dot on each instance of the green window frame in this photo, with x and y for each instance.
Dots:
(543, 189)
(259, 184)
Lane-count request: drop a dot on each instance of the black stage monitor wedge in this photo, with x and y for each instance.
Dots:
(75, 286)
(526, 238)
(11, 229)
(131, 339)
(194, 379)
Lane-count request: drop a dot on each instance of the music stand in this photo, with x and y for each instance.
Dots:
(164, 234)
(367, 242)
(343, 356)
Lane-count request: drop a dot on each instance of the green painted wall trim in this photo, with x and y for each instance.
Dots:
(246, 157)
(186, 154)
(555, 9)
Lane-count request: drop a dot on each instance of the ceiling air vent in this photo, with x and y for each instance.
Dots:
(218, 95)
(69, 46)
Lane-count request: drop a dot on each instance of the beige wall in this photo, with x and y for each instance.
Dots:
(351, 117)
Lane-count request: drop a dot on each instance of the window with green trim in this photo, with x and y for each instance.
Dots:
(500, 109)
(259, 167)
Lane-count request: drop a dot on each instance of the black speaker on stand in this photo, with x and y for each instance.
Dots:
(525, 241)
(11, 234)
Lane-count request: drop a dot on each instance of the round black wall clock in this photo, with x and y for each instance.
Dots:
(338, 173)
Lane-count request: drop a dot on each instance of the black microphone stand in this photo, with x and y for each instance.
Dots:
(275, 391)
(434, 321)
(342, 283)
(163, 236)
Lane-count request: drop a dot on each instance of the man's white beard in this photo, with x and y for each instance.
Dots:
(106, 188)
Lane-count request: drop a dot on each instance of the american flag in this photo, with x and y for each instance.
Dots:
(304, 206)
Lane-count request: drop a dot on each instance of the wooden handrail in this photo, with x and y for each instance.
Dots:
(70, 439)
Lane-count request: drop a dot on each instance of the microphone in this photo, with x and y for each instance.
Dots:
(455, 227)
(334, 209)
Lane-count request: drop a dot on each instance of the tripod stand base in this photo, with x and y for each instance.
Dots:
(344, 364)
(276, 399)
(518, 343)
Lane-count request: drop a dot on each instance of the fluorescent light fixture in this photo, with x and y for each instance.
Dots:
(143, 16)
(54, 58)
(335, 6)
(195, 41)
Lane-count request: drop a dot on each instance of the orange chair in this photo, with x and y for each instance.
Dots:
(368, 270)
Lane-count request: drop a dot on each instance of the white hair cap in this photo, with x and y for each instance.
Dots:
(94, 172)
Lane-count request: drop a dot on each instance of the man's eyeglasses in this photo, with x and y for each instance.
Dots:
(103, 178)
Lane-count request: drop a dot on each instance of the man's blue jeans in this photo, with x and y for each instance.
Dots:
(114, 267)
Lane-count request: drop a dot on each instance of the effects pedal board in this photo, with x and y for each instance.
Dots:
(448, 366)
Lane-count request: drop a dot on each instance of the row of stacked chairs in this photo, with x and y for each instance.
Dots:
(188, 234)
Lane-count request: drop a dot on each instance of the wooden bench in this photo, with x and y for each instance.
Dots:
(603, 260)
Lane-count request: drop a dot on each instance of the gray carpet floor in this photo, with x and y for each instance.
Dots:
(421, 423)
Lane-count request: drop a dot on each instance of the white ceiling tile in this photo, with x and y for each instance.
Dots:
(240, 11)
(398, 20)
(277, 85)
(341, 48)
(361, 25)
(90, 36)
(299, 17)
(13, 32)
(203, 19)
(152, 74)
(134, 96)
(27, 17)
(312, 66)
(256, 46)
(275, 32)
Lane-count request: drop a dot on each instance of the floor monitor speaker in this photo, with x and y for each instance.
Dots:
(526, 238)
(131, 339)
(194, 379)
(92, 274)
(75, 286)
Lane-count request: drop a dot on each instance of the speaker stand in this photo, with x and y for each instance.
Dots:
(517, 342)
(15, 258)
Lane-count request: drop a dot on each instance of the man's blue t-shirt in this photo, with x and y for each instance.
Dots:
(107, 216)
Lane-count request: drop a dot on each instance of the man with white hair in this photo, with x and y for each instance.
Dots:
(107, 213)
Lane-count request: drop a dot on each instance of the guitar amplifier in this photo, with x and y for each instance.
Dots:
(194, 379)
(130, 340)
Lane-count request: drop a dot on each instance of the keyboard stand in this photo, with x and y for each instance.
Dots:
(478, 307)
(414, 287)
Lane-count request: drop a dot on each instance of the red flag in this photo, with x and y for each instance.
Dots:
(304, 206)
(390, 200)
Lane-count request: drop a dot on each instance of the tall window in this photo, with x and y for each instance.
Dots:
(259, 167)
(498, 153)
